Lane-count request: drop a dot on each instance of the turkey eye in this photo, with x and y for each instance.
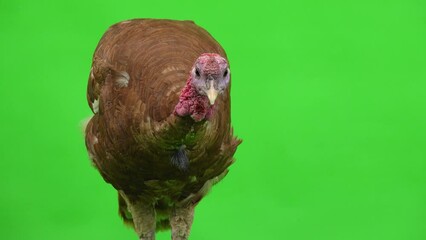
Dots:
(197, 72)
(225, 73)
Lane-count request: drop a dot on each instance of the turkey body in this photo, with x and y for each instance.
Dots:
(139, 69)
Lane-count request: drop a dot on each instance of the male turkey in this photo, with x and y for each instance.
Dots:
(161, 131)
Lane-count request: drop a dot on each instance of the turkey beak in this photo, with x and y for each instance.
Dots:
(212, 93)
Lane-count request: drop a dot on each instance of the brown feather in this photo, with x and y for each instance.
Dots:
(134, 134)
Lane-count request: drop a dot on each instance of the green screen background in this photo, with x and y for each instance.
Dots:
(329, 97)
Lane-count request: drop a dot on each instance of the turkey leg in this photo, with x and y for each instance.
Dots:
(181, 221)
(144, 216)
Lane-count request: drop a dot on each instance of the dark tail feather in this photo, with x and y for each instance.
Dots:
(124, 212)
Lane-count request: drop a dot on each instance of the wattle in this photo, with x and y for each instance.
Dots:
(193, 104)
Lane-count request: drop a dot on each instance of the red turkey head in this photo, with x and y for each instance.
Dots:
(210, 75)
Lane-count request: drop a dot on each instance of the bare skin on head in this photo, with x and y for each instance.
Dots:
(209, 77)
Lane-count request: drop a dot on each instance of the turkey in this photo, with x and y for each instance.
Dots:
(161, 131)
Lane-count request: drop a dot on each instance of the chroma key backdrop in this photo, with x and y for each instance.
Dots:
(329, 97)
